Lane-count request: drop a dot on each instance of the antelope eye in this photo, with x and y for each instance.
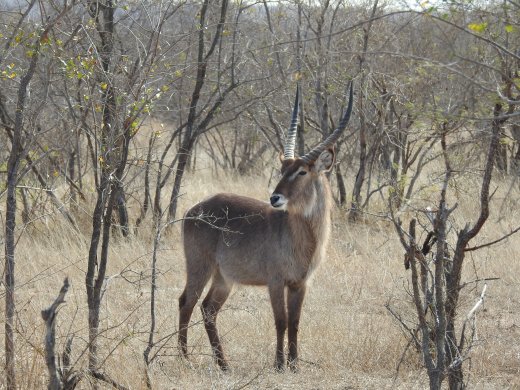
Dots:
(302, 173)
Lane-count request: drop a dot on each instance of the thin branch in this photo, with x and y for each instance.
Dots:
(478, 304)
(9, 41)
(105, 378)
(474, 248)
(471, 314)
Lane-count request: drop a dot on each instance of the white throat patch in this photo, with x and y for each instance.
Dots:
(309, 209)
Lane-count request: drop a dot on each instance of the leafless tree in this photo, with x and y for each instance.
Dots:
(360, 176)
(117, 127)
(195, 124)
(17, 153)
(444, 349)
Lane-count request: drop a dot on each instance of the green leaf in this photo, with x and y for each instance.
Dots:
(478, 27)
(509, 28)
(505, 141)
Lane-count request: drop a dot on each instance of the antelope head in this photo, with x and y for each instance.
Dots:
(298, 188)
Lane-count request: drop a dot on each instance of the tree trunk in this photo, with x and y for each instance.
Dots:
(184, 155)
(455, 373)
(122, 211)
(395, 178)
(341, 186)
(26, 212)
(355, 209)
(153, 291)
(193, 129)
(49, 316)
(107, 190)
(515, 161)
(92, 299)
(10, 226)
(501, 157)
(501, 150)
(13, 164)
(147, 198)
(72, 174)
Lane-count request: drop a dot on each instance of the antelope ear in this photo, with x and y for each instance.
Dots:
(325, 161)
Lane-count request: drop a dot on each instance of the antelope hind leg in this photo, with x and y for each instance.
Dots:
(187, 301)
(217, 295)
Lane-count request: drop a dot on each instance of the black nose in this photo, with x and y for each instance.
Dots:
(274, 199)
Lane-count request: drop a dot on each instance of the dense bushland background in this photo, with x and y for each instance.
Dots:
(115, 117)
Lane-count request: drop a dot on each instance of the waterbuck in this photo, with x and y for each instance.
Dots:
(236, 239)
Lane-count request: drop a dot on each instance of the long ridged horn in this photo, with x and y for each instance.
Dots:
(331, 139)
(290, 140)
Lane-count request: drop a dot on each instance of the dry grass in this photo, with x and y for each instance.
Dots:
(348, 339)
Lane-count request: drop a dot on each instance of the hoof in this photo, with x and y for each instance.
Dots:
(293, 365)
(294, 368)
(224, 366)
(279, 366)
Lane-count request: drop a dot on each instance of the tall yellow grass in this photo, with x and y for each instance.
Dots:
(348, 338)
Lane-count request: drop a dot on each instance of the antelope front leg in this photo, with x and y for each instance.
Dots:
(276, 293)
(295, 297)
